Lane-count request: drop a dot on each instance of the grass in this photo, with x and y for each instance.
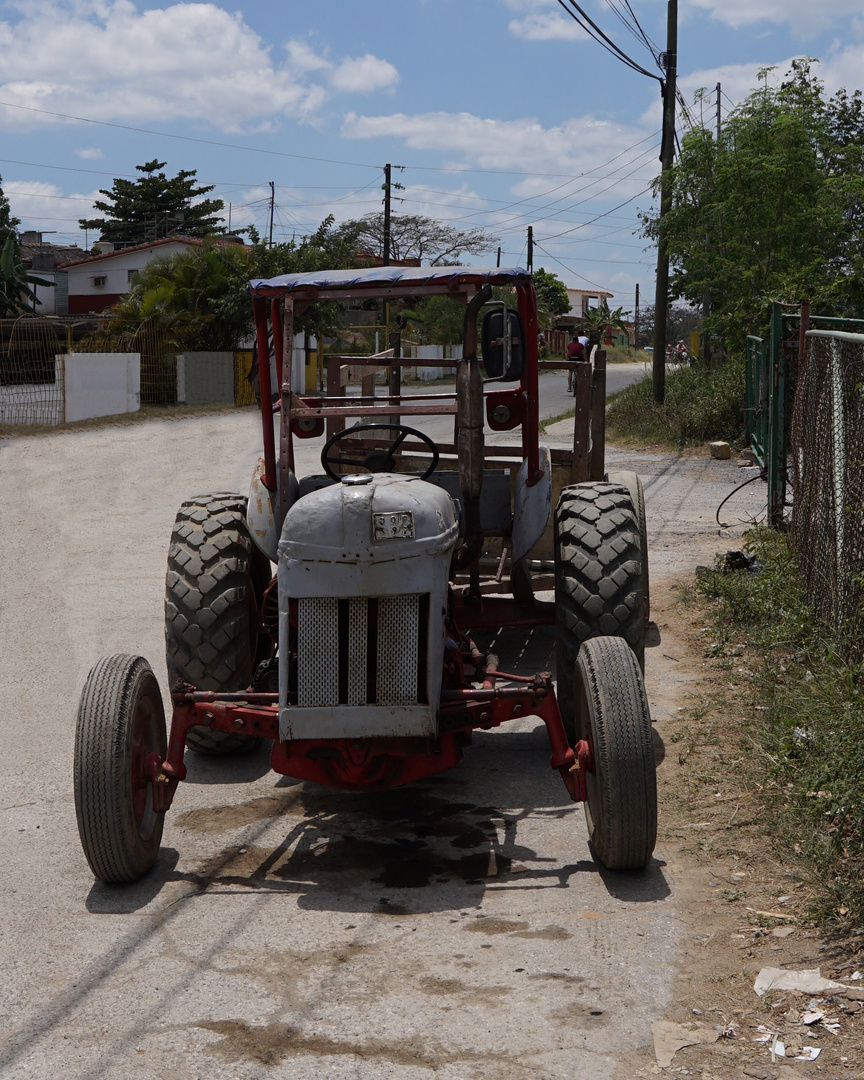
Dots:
(701, 404)
(806, 709)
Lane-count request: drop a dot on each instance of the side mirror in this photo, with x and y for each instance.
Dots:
(503, 344)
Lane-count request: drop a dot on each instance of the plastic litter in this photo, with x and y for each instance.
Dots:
(802, 982)
(669, 1038)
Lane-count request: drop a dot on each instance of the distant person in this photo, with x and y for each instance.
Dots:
(583, 339)
(575, 351)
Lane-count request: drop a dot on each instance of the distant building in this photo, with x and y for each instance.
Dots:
(97, 282)
(581, 302)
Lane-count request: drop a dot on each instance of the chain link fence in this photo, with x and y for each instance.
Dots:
(32, 351)
(827, 462)
(31, 381)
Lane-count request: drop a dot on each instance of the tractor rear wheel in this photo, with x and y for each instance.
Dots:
(213, 591)
(634, 485)
(621, 809)
(121, 722)
(598, 580)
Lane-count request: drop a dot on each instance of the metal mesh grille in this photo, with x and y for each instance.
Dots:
(398, 619)
(827, 458)
(358, 638)
(318, 652)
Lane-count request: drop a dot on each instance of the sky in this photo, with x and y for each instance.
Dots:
(500, 113)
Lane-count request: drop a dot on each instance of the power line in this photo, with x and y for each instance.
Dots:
(584, 224)
(602, 39)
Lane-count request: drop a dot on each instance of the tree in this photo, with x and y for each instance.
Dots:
(603, 318)
(552, 297)
(413, 236)
(775, 212)
(8, 224)
(681, 321)
(155, 206)
(17, 295)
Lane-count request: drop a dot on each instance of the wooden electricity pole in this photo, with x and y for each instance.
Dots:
(661, 299)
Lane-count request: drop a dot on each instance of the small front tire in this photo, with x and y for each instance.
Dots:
(621, 808)
(121, 722)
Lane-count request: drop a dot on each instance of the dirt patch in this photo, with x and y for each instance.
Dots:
(491, 925)
(734, 887)
(270, 1044)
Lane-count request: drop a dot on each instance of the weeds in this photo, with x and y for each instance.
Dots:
(808, 709)
(701, 403)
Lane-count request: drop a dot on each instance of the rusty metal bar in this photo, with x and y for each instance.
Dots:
(579, 470)
(598, 416)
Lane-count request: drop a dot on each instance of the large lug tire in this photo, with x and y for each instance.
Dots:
(216, 578)
(621, 808)
(598, 580)
(121, 722)
(637, 496)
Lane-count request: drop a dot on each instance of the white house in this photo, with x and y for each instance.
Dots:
(97, 282)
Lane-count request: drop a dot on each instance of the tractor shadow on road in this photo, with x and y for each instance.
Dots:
(501, 821)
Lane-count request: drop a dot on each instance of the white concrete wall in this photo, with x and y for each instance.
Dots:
(101, 384)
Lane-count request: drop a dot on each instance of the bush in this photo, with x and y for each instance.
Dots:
(702, 403)
(807, 720)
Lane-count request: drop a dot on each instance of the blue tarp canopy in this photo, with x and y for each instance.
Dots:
(387, 277)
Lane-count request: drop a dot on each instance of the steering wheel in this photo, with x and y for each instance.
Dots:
(374, 461)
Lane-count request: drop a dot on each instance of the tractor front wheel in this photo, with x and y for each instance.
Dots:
(213, 590)
(621, 809)
(121, 723)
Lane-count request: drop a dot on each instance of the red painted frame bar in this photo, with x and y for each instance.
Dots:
(259, 308)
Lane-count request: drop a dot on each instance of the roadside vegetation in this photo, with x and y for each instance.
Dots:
(803, 708)
(701, 403)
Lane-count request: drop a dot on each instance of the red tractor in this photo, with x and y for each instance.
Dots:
(356, 657)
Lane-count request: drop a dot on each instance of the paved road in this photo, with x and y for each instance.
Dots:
(455, 928)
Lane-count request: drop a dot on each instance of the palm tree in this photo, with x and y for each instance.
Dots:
(602, 318)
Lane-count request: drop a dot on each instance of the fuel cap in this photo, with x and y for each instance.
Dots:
(358, 478)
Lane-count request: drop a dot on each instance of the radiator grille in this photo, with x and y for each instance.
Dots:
(362, 651)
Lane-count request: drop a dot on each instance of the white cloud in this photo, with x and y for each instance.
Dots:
(546, 26)
(37, 204)
(363, 75)
(576, 146)
(802, 15)
(90, 153)
(107, 60)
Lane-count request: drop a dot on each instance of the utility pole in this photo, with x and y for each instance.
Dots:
(272, 207)
(387, 215)
(530, 249)
(718, 115)
(498, 262)
(636, 321)
(667, 148)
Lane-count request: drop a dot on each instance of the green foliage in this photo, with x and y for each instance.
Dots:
(602, 318)
(810, 721)
(552, 298)
(155, 206)
(8, 223)
(436, 320)
(775, 212)
(701, 403)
